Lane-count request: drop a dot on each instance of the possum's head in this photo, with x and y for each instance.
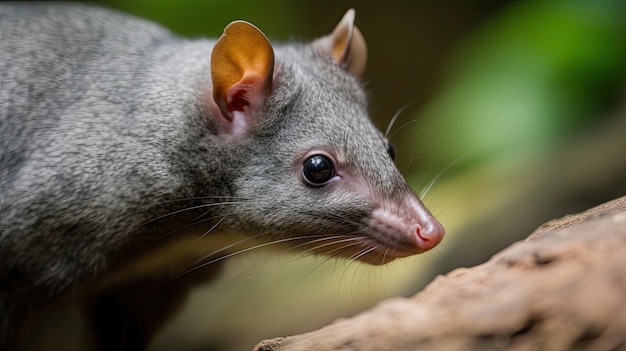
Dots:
(318, 174)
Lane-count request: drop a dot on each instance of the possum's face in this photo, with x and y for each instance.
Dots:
(323, 178)
(318, 175)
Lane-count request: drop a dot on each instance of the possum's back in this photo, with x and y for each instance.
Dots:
(48, 61)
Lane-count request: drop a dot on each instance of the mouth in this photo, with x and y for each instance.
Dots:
(363, 247)
(380, 238)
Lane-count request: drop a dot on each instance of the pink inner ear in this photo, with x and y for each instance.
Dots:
(244, 99)
(238, 104)
(237, 100)
(248, 94)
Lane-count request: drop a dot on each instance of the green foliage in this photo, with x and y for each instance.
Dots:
(209, 17)
(538, 73)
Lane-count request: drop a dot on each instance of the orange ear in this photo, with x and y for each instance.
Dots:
(345, 45)
(242, 66)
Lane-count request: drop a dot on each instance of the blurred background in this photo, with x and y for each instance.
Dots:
(511, 113)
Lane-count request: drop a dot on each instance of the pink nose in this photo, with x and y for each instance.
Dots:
(429, 234)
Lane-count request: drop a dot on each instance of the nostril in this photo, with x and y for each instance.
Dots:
(428, 235)
(418, 231)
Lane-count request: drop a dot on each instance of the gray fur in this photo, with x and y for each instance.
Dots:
(104, 128)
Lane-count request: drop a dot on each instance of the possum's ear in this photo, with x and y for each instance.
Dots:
(242, 69)
(345, 45)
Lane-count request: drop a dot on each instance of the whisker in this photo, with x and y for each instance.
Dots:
(313, 249)
(368, 270)
(274, 242)
(197, 222)
(355, 282)
(458, 203)
(337, 218)
(363, 253)
(193, 208)
(472, 146)
(211, 229)
(382, 282)
(351, 261)
(303, 278)
(408, 167)
(439, 174)
(308, 253)
(328, 258)
(385, 254)
(222, 249)
(400, 128)
(188, 199)
(394, 118)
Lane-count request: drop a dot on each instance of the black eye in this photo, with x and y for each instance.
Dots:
(317, 170)
(391, 150)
